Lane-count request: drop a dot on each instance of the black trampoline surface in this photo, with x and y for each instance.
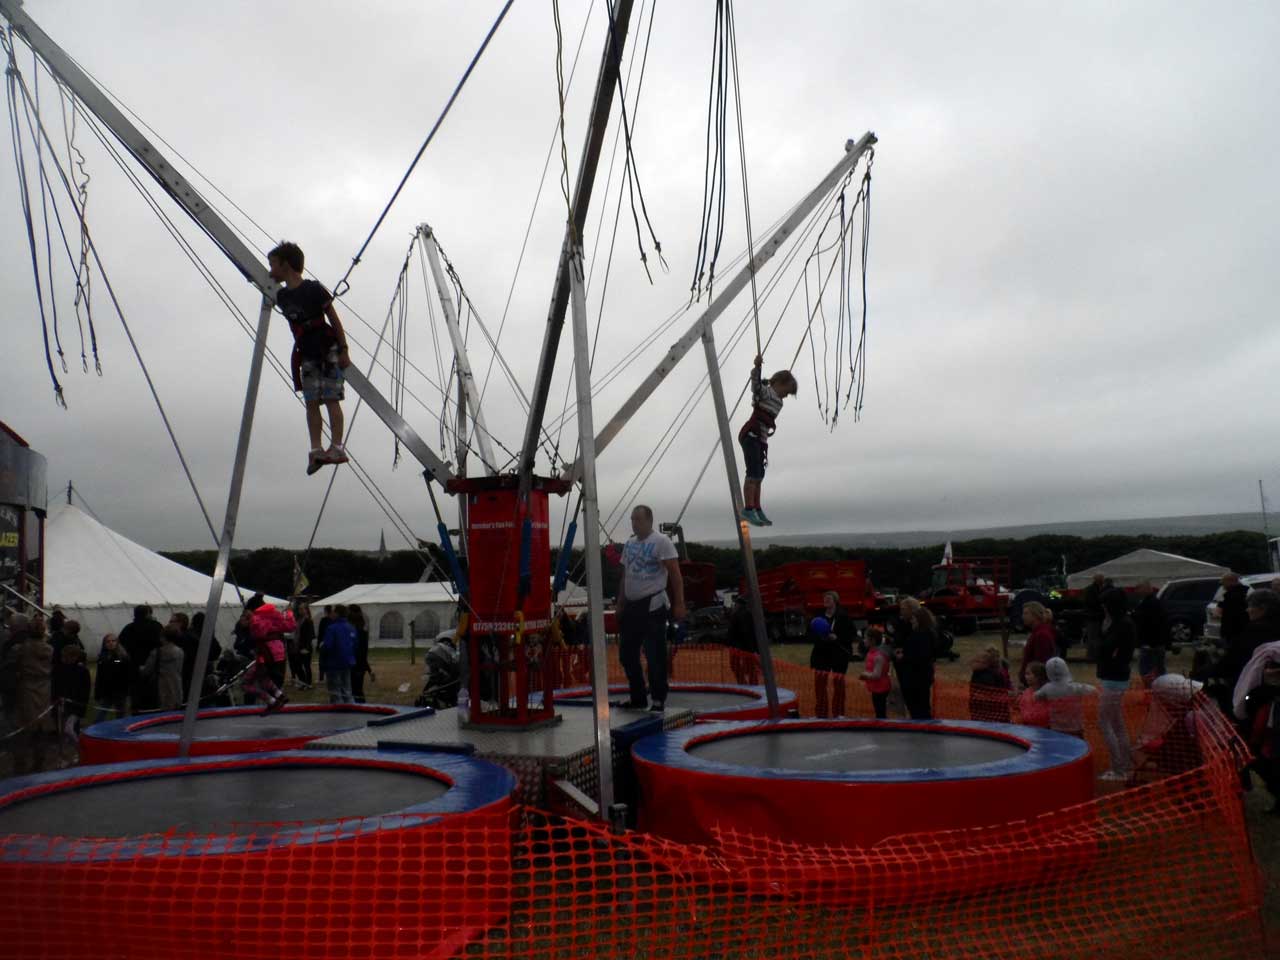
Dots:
(854, 751)
(250, 726)
(222, 802)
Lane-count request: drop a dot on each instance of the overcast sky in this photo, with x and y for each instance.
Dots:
(1072, 276)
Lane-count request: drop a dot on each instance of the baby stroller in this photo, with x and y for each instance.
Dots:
(443, 675)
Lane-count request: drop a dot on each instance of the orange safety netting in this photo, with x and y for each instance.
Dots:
(1162, 869)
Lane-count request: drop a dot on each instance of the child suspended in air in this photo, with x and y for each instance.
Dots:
(319, 350)
(754, 436)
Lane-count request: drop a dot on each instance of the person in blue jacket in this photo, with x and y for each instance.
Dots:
(338, 656)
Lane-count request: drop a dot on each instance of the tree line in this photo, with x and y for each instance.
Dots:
(271, 569)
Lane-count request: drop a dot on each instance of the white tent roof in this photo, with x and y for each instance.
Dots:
(391, 593)
(98, 576)
(1154, 565)
(399, 612)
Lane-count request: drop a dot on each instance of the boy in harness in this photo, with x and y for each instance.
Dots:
(319, 349)
(754, 436)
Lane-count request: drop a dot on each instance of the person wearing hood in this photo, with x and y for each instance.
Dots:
(1115, 655)
(1262, 610)
(164, 664)
(1065, 698)
(1254, 702)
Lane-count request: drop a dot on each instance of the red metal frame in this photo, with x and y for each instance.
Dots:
(510, 675)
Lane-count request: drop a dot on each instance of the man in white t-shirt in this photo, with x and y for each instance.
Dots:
(650, 566)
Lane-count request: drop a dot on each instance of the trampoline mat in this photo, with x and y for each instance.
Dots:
(219, 801)
(273, 726)
(855, 750)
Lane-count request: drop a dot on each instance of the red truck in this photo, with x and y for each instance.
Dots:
(966, 591)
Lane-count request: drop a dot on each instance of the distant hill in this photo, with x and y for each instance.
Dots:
(1202, 525)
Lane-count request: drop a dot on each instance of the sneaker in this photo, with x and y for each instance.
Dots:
(628, 705)
(752, 516)
(657, 707)
(335, 455)
(315, 460)
(277, 704)
(762, 519)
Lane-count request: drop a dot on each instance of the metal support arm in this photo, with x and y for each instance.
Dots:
(188, 198)
(853, 153)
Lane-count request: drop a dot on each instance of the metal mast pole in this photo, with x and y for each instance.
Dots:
(606, 81)
(744, 531)
(228, 531)
(466, 382)
(591, 540)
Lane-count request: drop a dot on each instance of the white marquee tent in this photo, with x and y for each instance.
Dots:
(97, 577)
(1133, 568)
(399, 612)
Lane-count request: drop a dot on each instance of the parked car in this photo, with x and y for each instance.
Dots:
(1184, 606)
(1213, 616)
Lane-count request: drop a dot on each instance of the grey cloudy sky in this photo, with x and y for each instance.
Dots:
(1072, 271)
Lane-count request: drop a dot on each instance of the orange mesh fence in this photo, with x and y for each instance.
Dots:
(1162, 869)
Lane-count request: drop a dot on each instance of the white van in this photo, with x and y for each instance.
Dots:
(1213, 616)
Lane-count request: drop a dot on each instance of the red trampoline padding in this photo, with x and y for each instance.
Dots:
(418, 881)
(690, 799)
(225, 730)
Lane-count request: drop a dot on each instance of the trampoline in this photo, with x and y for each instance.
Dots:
(228, 730)
(141, 841)
(708, 701)
(853, 782)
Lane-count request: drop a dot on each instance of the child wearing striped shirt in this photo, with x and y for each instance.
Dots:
(767, 397)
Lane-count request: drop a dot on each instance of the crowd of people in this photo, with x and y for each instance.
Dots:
(1127, 640)
(47, 690)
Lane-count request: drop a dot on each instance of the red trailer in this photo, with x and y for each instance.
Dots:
(792, 593)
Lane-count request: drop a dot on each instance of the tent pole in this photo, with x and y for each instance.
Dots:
(228, 531)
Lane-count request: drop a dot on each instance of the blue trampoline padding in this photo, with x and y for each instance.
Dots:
(1044, 749)
(472, 785)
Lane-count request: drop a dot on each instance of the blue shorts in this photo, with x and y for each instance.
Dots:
(755, 454)
(322, 380)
